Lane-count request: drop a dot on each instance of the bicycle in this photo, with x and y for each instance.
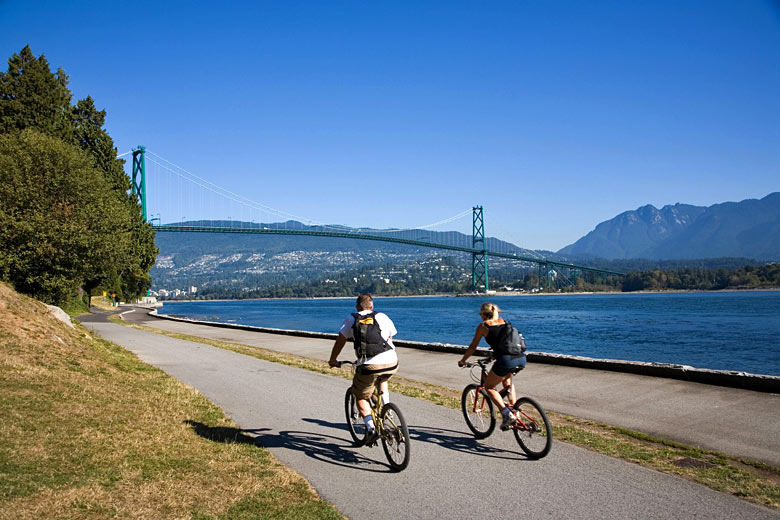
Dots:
(532, 429)
(388, 421)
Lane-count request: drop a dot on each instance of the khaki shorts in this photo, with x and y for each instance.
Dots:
(366, 376)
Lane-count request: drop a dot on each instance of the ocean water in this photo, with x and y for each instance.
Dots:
(721, 330)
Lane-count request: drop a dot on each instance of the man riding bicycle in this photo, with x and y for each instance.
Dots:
(373, 334)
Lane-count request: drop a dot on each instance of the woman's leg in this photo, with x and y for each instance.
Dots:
(510, 390)
(491, 381)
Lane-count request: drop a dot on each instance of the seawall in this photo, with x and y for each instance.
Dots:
(734, 379)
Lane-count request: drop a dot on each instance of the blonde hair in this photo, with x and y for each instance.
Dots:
(489, 311)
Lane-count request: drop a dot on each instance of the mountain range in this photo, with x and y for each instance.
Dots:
(749, 229)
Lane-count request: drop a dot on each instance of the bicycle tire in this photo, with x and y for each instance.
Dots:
(480, 419)
(536, 439)
(395, 437)
(355, 422)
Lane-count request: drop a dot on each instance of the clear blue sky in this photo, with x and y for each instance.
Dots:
(554, 116)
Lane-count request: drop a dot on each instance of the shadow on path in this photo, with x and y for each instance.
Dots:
(332, 450)
(449, 439)
(462, 442)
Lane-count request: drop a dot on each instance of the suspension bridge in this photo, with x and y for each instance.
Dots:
(200, 192)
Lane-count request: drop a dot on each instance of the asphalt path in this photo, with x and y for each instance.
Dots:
(298, 415)
(741, 423)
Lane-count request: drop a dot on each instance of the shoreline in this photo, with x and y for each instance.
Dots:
(482, 295)
(726, 378)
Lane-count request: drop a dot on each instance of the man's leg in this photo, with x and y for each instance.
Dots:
(384, 389)
(362, 387)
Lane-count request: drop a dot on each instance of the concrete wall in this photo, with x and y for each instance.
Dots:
(757, 382)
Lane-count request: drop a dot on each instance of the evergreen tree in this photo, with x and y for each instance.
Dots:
(32, 97)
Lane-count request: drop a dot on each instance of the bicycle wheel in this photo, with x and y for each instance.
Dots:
(395, 437)
(478, 411)
(532, 431)
(355, 422)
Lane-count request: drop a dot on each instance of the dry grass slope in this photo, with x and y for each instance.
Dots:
(88, 431)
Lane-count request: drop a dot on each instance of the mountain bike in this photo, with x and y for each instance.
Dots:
(388, 421)
(532, 429)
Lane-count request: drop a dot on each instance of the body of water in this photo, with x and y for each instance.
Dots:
(724, 330)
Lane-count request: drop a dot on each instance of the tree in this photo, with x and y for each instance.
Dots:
(58, 217)
(34, 98)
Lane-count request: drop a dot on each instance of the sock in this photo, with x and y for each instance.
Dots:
(385, 397)
(369, 422)
(506, 411)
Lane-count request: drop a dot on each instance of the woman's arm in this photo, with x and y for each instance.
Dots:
(478, 335)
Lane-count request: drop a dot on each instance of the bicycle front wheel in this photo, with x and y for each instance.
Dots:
(532, 431)
(395, 437)
(355, 422)
(478, 411)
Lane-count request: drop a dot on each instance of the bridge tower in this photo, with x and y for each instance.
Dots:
(479, 268)
(139, 177)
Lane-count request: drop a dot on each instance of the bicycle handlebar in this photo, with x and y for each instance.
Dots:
(482, 362)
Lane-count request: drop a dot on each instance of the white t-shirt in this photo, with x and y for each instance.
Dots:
(387, 329)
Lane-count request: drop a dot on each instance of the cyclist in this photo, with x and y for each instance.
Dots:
(491, 329)
(373, 334)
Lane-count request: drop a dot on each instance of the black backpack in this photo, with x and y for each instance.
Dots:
(367, 336)
(510, 341)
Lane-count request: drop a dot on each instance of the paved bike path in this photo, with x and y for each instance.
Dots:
(298, 415)
(738, 422)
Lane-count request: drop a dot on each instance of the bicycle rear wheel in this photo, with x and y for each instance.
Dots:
(395, 437)
(478, 411)
(355, 422)
(532, 431)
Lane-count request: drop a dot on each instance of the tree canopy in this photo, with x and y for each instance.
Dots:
(67, 219)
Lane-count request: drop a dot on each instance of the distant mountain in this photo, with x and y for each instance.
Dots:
(749, 229)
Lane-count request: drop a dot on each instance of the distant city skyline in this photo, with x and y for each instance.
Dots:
(553, 117)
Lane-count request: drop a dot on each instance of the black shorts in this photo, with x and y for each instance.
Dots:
(507, 363)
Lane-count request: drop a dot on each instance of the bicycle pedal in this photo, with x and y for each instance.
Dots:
(372, 439)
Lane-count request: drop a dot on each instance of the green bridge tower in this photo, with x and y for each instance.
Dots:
(479, 268)
(139, 177)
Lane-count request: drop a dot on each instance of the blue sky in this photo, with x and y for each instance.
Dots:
(554, 116)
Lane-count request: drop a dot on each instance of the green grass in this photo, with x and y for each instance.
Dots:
(87, 431)
(747, 479)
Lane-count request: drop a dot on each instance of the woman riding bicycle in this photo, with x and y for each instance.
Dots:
(492, 329)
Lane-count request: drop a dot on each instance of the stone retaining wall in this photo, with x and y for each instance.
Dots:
(743, 380)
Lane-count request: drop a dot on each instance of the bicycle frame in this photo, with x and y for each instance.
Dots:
(482, 392)
(375, 403)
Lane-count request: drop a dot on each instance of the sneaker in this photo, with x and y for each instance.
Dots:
(371, 437)
(508, 421)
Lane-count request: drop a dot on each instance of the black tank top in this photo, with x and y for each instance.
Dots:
(493, 335)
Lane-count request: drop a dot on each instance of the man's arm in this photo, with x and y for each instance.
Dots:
(341, 340)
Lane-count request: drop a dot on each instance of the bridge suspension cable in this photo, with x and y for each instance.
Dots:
(249, 203)
(479, 245)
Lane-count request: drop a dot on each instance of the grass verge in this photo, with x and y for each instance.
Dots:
(747, 479)
(88, 431)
